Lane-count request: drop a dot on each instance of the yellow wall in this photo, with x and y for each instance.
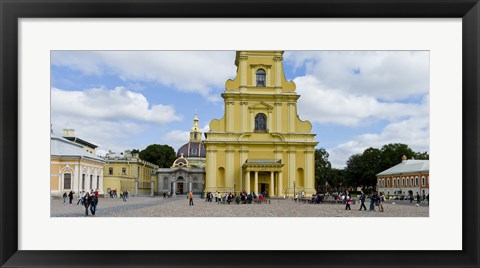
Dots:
(136, 168)
(232, 139)
(76, 166)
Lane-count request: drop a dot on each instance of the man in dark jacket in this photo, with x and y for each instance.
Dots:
(93, 204)
(362, 201)
(70, 197)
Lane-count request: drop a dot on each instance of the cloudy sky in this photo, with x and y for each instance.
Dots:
(129, 99)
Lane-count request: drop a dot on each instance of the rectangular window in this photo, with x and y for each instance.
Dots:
(124, 171)
(110, 171)
(67, 181)
(91, 181)
(98, 182)
(83, 181)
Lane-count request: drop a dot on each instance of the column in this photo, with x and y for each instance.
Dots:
(243, 71)
(229, 170)
(152, 186)
(136, 186)
(252, 121)
(272, 191)
(255, 187)
(269, 121)
(247, 182)
(174, 188)
(280, 183)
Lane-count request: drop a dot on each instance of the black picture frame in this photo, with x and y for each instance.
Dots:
(11, 11)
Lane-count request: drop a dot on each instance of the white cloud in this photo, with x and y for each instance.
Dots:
(117, 104)
(414, 132)
(389, 75)
(187, 71)
(355, 88)
(321, 104)
(111, 119)
(176, 138)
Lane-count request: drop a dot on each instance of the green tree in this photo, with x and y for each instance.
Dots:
(353, 170)
(135, 151)
(362, 168)
(422, 156)
(371, 160)
(391, 154)
(161, 155)
(322, 166)
(337, 178)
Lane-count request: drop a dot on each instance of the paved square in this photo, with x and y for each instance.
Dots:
(178, 207)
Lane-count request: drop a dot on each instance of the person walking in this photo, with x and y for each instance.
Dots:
(190, 196)
(362, 202)
(124, 196)
(86, 202)
(70, 197)
(93, 204)
(372, 202)
(348, 201)
(64, 197)
(418, 198)
(80, 198)
(381, 199)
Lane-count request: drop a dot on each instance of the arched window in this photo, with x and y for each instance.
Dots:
(423, 181)
(403, 181)
(416, 181)
(261, 122)
(261, 77)
(67, 181)
(411, 181)
(388, 182)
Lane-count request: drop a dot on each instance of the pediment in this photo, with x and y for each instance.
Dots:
(261, 106)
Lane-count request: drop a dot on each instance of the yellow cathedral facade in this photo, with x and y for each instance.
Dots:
(260, 144)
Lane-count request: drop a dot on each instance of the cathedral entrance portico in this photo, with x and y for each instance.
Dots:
(263, 176)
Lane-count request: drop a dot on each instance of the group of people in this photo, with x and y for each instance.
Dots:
(89, 200)
(241, 198)
(69, 196)
(317, 198)
(376, 200)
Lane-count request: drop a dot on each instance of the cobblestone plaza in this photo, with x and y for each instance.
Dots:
(178, 207)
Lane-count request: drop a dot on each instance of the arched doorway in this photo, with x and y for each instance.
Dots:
(180, 185)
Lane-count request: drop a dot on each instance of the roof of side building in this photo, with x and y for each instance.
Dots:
(60, 146)
(408, 167)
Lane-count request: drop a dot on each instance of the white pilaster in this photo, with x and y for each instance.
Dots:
(272, 191)
(280, 183)
(255, 187)
(247, 181)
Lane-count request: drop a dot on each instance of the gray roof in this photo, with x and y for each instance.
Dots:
(60, 146)
(408, 167)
